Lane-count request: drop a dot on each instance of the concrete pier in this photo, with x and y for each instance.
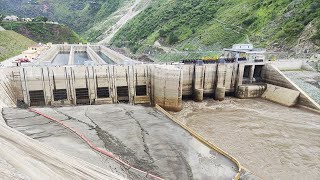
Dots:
(198, 95)
(71, 57)
(220, 93)
(250, 91)
(168, 87)
(94, 56)
(198, 83)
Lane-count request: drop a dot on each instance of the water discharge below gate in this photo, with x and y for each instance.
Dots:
(273, 141)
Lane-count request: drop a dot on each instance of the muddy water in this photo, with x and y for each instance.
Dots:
(273, 141)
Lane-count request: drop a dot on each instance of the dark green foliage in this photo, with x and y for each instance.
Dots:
(80, 15)
(40, 19)
(316, 37)
(1, 17)
(44, 33)
(173, 38)
(176, 20)
(213, 23)
(249, 21)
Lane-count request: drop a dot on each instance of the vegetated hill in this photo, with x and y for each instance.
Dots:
(104, 30)
(80, 15)
(213, 24)
(12, 43)
(43, 32)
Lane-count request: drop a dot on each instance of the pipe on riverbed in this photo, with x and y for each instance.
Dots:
(94, 147)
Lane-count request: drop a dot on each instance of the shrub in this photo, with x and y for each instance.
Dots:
(173, 38)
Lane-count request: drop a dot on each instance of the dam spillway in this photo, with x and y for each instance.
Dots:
(65, 54)
(105, 58)
(61, 59)
(80, 58)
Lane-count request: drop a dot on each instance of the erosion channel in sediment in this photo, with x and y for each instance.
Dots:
(141, 136)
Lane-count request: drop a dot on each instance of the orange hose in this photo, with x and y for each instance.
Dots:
(93, 146)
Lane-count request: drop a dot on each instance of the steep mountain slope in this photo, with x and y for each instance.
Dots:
(122, 16)
(192, 25)
(80, 15)
(12, 43)
(213, 24)
(44, 33)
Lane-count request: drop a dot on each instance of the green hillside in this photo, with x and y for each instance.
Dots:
(12, 43)
(185, 25)
(80, 15)
(44, 33)
(214, 24)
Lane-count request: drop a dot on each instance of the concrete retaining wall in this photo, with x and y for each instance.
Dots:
(272, 75)
(94, 56)
(281, 95)
(115, 56)
(250, 91)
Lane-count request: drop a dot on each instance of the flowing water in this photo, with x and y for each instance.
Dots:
(273, 141)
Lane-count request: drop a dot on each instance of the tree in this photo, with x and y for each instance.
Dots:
(40, 19)
(1, 17)
(173, 38)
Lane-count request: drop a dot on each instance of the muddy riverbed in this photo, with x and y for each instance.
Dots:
(273, 141)
(139, 135)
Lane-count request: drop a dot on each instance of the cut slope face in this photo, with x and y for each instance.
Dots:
(12, 43)
(125, 14)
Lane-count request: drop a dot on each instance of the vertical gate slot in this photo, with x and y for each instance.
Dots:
(37, 98)
(141, 90)
(82, 95)
(103, 92)
(123, 93)
(60, 94)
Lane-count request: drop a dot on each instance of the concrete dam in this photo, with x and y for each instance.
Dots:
(67, 81)
(165, 85)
